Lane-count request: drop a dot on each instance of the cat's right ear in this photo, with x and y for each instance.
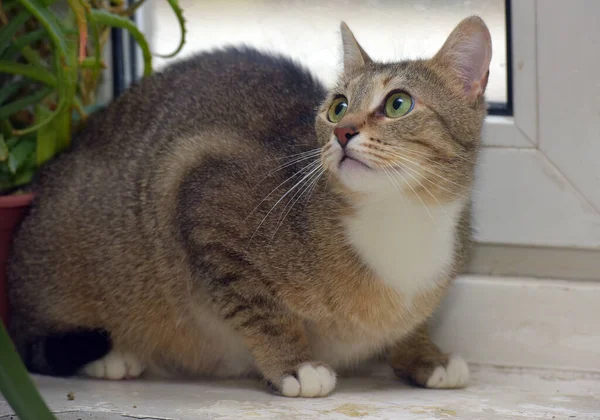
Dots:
(354, 56)
(467, 53)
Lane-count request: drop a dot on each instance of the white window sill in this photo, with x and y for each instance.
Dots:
(493, 393)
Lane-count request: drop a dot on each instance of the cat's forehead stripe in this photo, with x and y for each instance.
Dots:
(361, 91)
(367, 91)
(383, 86)
(358, 90)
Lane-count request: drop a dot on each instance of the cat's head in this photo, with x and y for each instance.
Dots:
(411, 127)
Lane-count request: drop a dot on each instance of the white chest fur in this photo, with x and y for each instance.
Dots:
(408, 247)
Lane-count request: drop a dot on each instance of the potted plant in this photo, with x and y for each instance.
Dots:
(50, 69)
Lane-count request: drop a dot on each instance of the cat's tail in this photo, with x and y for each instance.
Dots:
(62, 354)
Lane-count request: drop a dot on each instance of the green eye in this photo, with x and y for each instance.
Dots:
(398, 104)
(337, 109)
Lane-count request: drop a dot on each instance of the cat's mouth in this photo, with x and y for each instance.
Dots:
(351, 162)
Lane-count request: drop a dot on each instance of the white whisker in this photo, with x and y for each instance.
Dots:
(284, 195)
(304, 169)
(415, 193)
(314, 184)
(394, 183)
(396, 154)
(431, 172)
(300, 193)
(404, 152)
(427, 190)
(403, 148)
(286, 165)
(309, 152)
(308, 155)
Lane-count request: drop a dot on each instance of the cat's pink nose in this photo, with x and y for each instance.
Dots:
(345, 134)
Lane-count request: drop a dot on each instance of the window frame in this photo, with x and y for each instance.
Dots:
(515, 123)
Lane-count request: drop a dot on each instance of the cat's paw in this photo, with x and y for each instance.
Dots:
(310, 380)
(454, 375)
(436, 372)
(115, 366)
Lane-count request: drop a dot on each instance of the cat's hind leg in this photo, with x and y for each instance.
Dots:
(115, 366)
(417, 359)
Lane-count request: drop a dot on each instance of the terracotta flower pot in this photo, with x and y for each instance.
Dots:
(12, 210)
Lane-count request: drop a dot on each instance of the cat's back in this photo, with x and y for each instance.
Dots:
(268, 102)
(241, 89)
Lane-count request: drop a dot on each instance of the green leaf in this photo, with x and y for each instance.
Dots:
(20, 155)
(10, 89)
(12, 142)
(179, 15)
(37, 73)
(80, 112)
(4, 173)
(97, 50)
(65, 67)
(24, 177)
(47, 20)
(62, 128)
(8, 32)
(62, 122)
(90, 63)
(3, 149)
(9, 4)
(109, 19)
(8, 110)
(32, 56)
(16, 385)
(21, 42)
(6, 129)
(46, 136)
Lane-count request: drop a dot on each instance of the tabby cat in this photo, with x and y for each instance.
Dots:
(230, 217)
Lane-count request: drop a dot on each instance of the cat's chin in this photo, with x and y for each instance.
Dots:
(359, 177)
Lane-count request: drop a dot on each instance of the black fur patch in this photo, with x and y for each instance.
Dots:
(66, 353)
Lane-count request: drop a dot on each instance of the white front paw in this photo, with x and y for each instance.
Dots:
(310, 381)
(454, 375)
(115, 365)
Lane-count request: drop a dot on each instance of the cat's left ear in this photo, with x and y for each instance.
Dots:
(467, 53)
(354, 56)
